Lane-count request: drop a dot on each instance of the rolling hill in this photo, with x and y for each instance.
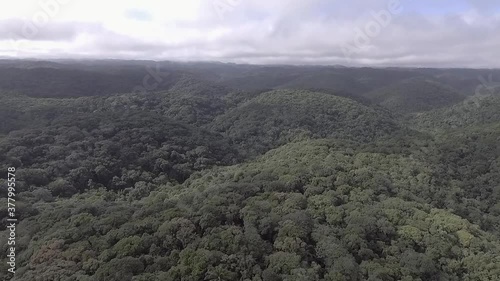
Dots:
(245, 172)
(275, 117)
(415, 95)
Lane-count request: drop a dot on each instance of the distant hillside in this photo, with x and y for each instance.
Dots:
(74, 78)
(77, 82)
(415, 95)
(465, 81)
(354, 80)
(51, 82)
(274, 117)
(472, 112)
(187, 100)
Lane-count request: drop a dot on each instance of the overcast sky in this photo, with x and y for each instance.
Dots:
(435, 33)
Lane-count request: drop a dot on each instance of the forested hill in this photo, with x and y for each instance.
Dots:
(235, 172)
(415, 95)
(476, 111)
(277, 117)
(73, 78)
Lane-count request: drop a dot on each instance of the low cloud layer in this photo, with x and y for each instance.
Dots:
(377, 33)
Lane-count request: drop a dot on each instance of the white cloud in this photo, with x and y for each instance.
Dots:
(258, 31)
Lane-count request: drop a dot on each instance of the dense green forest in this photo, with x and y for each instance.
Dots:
(415, 95)
(236, 172)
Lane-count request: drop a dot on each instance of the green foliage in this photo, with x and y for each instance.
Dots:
(415, 95)
(204, 183)
(274, 118)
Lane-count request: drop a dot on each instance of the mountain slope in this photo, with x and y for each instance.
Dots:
(474, 111)
(415, 95)
(275, 117)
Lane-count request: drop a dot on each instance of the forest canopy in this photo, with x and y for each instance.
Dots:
(252, 173)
